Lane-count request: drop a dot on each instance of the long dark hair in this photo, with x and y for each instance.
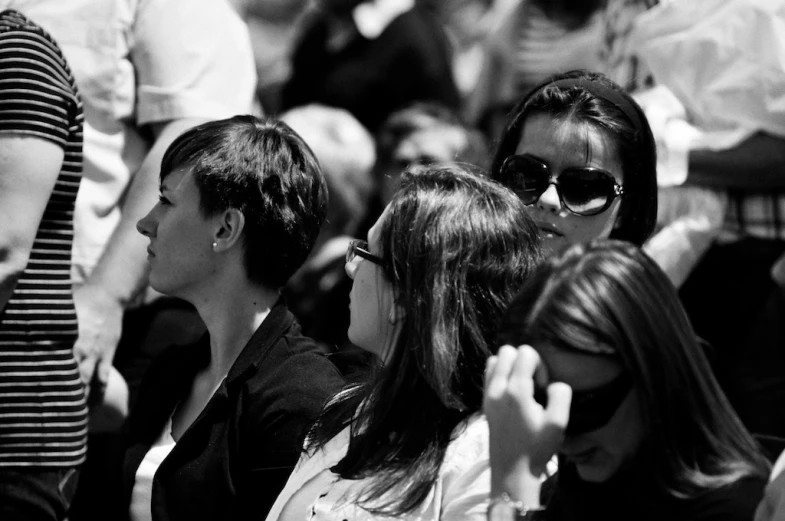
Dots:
(458, 246)
(635, 142)
(609, 292)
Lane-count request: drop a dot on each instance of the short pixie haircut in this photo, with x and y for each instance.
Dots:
(633, 139)
(264, 169)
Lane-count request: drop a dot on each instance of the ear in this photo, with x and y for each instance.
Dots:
(229, 229)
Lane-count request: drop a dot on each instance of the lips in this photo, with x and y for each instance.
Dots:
(582, 456)
(150, 252)
(547, 228)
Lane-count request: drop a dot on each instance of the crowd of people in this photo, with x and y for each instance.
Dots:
(421, 259)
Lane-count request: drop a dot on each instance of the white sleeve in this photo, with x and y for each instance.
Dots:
(466, 475)
(193, 58)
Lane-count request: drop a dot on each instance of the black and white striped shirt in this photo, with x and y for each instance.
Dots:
(43, 415)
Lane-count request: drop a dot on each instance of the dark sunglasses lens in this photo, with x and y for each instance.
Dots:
(585, 192)
(593, 409)
(527, 178)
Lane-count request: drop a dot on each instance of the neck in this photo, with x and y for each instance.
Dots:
(232, 315)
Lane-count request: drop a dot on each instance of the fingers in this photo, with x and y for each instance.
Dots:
(559, 400)
(498, 371)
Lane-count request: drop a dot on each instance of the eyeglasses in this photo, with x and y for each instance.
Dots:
(594, 408)
(582, 191)
(358, 247)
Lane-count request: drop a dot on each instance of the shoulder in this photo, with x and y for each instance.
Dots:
(469, 445)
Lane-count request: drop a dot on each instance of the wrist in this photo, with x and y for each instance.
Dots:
(519, 483)
(503, 508)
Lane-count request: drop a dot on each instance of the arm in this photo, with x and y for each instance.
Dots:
(29, 167)
(523, 435)
(122, 270)
(758, 163)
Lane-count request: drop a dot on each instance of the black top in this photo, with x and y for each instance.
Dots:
(410, 61)
(627, 497)
(235, 458)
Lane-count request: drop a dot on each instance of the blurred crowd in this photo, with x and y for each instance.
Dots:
(658, 126)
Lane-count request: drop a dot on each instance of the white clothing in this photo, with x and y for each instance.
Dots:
(138, 62)
(141, 496)
(461, 491)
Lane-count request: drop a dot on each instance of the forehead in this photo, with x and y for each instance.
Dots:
(438, 143)
(579, 370)
(568, 143)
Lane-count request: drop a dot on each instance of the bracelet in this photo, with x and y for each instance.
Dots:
(503, 508)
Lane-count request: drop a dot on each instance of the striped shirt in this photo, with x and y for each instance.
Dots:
(43, 415)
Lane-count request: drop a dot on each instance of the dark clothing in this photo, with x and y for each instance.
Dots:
(735, 305)
(237, 455)
(36, 494)
(410, 61)
(628, 497)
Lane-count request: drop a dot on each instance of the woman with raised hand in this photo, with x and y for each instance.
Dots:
(580, 154)
(608, 373)
(218, 425)
(429, 287)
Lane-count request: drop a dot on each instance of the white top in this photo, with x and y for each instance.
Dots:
(461, 491)
(138, 62)
(141, 497)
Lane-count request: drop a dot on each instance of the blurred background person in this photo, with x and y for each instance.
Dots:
(429, 286)
(371, 57)
(218, 425)
(43, 425)
(318, 293)
(609, 373)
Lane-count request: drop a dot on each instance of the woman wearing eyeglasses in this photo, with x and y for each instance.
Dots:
(429, 287)
(609, 375)
(580, 153)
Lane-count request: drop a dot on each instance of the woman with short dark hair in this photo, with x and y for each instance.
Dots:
(218, 425)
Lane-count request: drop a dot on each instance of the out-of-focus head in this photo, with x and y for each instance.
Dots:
(346, 152)
(581, 129)
(421, 134)
(259, 168)
(453, 247)
(607, 321)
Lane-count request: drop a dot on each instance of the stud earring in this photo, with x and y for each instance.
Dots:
(215, 245)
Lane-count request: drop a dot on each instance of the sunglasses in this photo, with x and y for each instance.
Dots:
(582, 191)
(358, 247)
(594, 408)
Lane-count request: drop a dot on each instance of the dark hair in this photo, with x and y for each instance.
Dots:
(610, 293)
(264, 169)
(637, 149)
(458, 246)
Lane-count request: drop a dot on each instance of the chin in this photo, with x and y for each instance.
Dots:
(595, 472)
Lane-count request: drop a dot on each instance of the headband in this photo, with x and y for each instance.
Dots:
(613, 96)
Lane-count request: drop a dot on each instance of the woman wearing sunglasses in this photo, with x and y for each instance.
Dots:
(429, 288)
(579, 152)
(609, 375)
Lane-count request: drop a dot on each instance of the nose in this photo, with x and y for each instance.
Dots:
(146, 225)
(549, 200)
